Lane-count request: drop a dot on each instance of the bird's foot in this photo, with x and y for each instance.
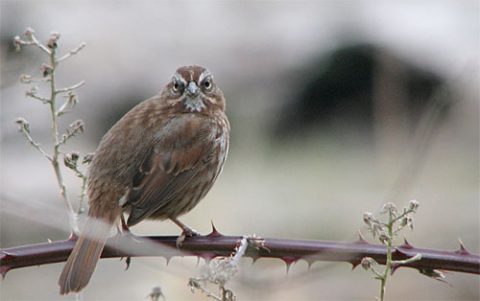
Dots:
(186, 232)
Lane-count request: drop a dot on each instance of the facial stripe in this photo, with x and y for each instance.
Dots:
(180, 78)
(212, 100)
(204, 75)
(191, 71)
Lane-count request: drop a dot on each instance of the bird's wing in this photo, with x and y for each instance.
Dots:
(168, 169)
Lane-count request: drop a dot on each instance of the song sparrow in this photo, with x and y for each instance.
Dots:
(158, 161)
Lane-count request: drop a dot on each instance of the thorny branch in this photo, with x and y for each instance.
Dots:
(216, 244)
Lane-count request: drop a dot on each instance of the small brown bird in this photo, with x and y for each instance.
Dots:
(158, 161)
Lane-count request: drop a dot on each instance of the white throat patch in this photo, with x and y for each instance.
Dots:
(194, 105)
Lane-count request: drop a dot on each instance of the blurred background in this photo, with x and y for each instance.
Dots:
(336, 107)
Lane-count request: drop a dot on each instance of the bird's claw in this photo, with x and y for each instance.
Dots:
(186, 233)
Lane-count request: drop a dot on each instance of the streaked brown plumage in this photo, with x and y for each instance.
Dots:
(158, 161)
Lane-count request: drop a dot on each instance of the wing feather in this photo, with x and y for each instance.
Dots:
(169, 168)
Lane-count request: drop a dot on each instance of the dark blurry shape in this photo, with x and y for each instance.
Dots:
(113, 103)
(116, 105)
(355, 87)
(156, 294)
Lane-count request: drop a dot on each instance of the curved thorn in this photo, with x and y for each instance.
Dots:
(128, 260)
(3, 271)
(394, 268)
(288, 265)
(214, 232)
(401, 254)
(361, 239)
(289, 260)
(354, 264)
(310, 262)
(462, 249)
(207, 256)
(406, 244)
(73, 236)
(6, 255)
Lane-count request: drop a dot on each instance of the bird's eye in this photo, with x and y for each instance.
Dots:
(175, 85)
(207, 84)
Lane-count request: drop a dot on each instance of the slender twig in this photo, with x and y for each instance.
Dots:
(71, 88)
(195, 283)
(41, 98)
(35, 144)
(57, 143)
(388, 264)
(33, 41)
(83, 188)
(72, 52)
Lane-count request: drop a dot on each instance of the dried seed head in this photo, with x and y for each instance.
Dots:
(71, 98)
(32, 92)
(367, 263)
(71, 159)
(383, 237)
(46, 70)
(52, 42)
(389, 207)
(413, 205)
(25, 79)
(29, 33)
(17, 43)
(77, 126)
(368, 218)
(88, 158)
(410, 222)
(23, 124)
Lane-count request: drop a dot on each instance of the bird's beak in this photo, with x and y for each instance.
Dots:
(193, 101)
(192, 89)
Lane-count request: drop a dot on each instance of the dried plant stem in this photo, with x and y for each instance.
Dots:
(36, 145)
(388, 263)
(386, 232)
(72, 52)
(56, 148)
(49, 75)
(71, 88)
(83, 188)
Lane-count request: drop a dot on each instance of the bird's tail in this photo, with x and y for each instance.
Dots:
(82, 261)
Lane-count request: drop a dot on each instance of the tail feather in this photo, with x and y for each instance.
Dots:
(82, 261)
